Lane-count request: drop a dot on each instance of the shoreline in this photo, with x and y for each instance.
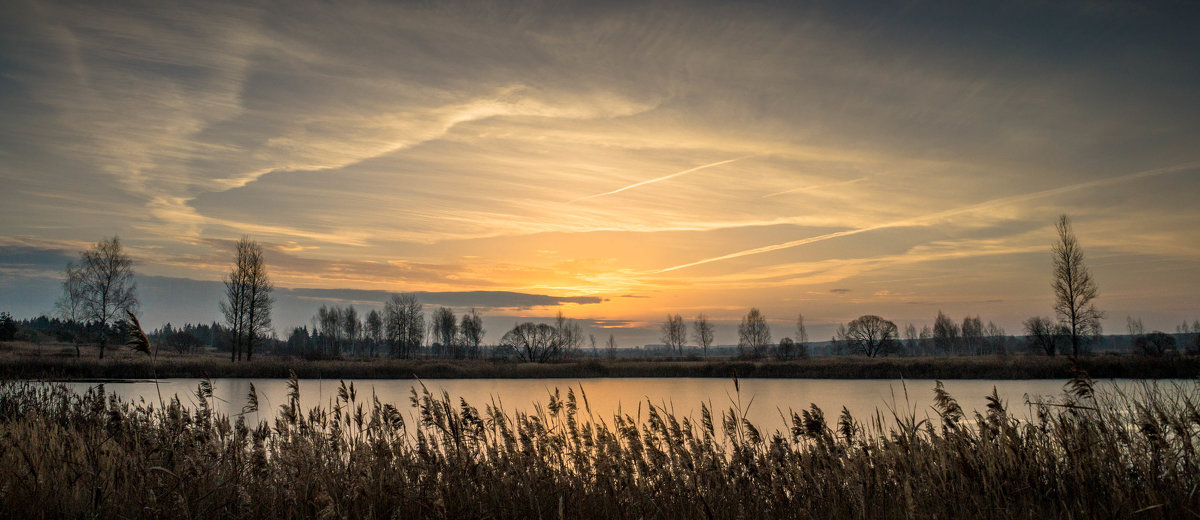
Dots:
(128, 367)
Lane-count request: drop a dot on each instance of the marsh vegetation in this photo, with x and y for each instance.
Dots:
(1087, 453)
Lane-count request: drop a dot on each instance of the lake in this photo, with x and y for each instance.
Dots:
(768, 400)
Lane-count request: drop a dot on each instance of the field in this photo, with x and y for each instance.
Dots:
(30, 361)
(1085, 455)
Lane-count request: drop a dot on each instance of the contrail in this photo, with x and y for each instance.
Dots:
(942, 214)
(816, 187)
(663, 178)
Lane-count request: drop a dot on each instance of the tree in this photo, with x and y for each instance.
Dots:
(972, 335)
(674, 333)
(8, 327)
(328, 330)
(945, 334)
(104, 281)
(786, 349)
(754, 335)
(1043, 335)
(352, 329)
(247, 304)
(471, 329)
(570, 334)
(995, 339)
(702, 332)
(70, 308)
(1074, 289)
(871, 335)
(611, 344)
(911, 339)
(535, 343)
(1155, 344)
(444, 326)
(404, 324)
(374, 331)
(801, 337)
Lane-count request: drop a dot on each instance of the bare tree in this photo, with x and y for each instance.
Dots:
(911, 339)
(674, 333)
(972, 335)
(754, 335)
(1155, 344)
(1074, 289)
(103, 284)
(471, 330)
(702, 332)
(535, 343)
(995, 339)
(444, 326)
(801, 337)
(611, 344)
(70, 307)
(374, 331)
(247, 304)
(786, 350)
(404, 324)
(1043, 335)
(871, 335)
(945, 334)
(570, 333)
(352, 329)
(925, 339)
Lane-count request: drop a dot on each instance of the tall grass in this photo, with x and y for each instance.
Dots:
(1086, 454)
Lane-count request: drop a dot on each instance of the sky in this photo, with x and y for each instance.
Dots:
(613, 161)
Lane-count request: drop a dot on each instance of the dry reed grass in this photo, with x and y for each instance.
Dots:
(1087, 454)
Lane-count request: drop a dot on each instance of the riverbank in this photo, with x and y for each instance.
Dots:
(37, 362)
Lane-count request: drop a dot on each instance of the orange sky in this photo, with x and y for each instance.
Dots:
(664, 158)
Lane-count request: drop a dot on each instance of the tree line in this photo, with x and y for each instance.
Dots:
(98, 290)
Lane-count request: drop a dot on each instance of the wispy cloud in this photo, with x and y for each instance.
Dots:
(929, 218)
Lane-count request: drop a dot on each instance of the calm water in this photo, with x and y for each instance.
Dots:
(768, 399)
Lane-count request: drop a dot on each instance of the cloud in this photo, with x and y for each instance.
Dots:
(839, 291)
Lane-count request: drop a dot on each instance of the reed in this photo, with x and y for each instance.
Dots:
(1085, 454)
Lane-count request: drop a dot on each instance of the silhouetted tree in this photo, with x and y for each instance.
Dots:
(8, 327)
(871, 336)
(754, 335)
(995, 339)
(945, 334)
(1074, 289)
(444, 326)
(786, 349)
(404, 324)
(674, 333)
(801, 337)
(471, 329)
(1155, 344)
(925, 339)
(373, 327)
(247, 304)
(104, 279)
(70, 308)
(1043, 335)
(702, 332)
(536, 343)
(972, 335)
(611, 344)
(570, 334)
(911, 339)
